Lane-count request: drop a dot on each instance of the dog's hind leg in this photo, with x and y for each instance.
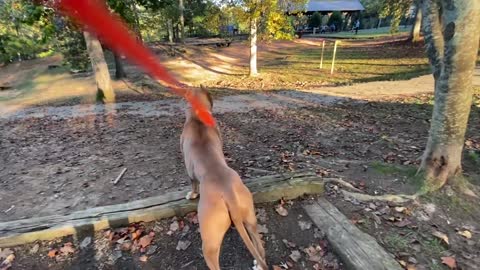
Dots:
(192, 195)
(251, 227)
(214, 222)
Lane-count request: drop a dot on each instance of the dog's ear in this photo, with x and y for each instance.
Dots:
(205, 91)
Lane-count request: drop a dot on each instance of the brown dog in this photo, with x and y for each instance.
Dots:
(223, 196)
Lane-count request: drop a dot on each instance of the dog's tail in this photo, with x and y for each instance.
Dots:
(246, 236)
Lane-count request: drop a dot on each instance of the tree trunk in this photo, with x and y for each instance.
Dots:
(182, 21)
(105, 92)
(136, 24)
(379, 22)
(253, 47)
(452, 32)
(170, 30)
(417, 23)
(119, 71)
(175, 33)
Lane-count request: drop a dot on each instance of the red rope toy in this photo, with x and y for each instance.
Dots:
(115, 34)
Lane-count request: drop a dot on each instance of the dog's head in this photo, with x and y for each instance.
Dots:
(204, 96)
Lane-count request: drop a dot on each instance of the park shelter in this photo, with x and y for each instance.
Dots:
(349, 9)
(326, 6)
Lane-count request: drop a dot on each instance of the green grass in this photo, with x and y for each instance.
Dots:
(409, 172)
(353, 64)
(396, 242)
(433, 247)
(455, 203)
(388, 169)
(367, 33)
(474, 156)
(298, 66)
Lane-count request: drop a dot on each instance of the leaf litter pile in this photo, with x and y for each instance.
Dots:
(436, 232)
(292, 242)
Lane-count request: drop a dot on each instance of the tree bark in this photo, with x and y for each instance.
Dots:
(452, 54)
(182, 21)
(170, 30)
(417, 23)
(119, 70)
(253, 46)
(105, 92)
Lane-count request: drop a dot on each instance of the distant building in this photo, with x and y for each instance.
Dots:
(326, 6)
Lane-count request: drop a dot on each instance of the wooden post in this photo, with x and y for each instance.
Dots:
(321, 57)
(334, 53)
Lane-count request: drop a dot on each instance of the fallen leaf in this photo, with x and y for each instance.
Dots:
(450, 262)
(86, 242)
(411, 267)
(52, 253)
(361, 184)
(67, 249)
(7, 263)
(35, 249)
(143, 258)
(192, 217)
(183, 245)
(402, 263)
(304, 225)
(145, 241)
(276, 267)
(174, 226)
(295, 255)
(261, 215)
(442, 236)
(315, 254)
(402, 223)
(281, 210)
(262, 228)
(136, 234)
(9, 259)
(400, 209)
(4, 253)
(467, 234)
(126, 246)
(288, 243)
(151, 249)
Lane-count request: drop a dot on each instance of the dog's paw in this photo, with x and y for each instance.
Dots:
(191, 195)
(256, 266)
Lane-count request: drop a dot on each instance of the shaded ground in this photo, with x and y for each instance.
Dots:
(176, 245)
(68, 159)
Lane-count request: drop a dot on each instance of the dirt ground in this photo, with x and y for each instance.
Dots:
(59, 154)
(65, 158)
(292, 241)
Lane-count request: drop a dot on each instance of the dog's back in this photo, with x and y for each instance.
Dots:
(223, 196)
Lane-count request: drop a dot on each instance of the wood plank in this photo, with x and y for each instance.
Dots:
(264, 189)
(357, 249)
